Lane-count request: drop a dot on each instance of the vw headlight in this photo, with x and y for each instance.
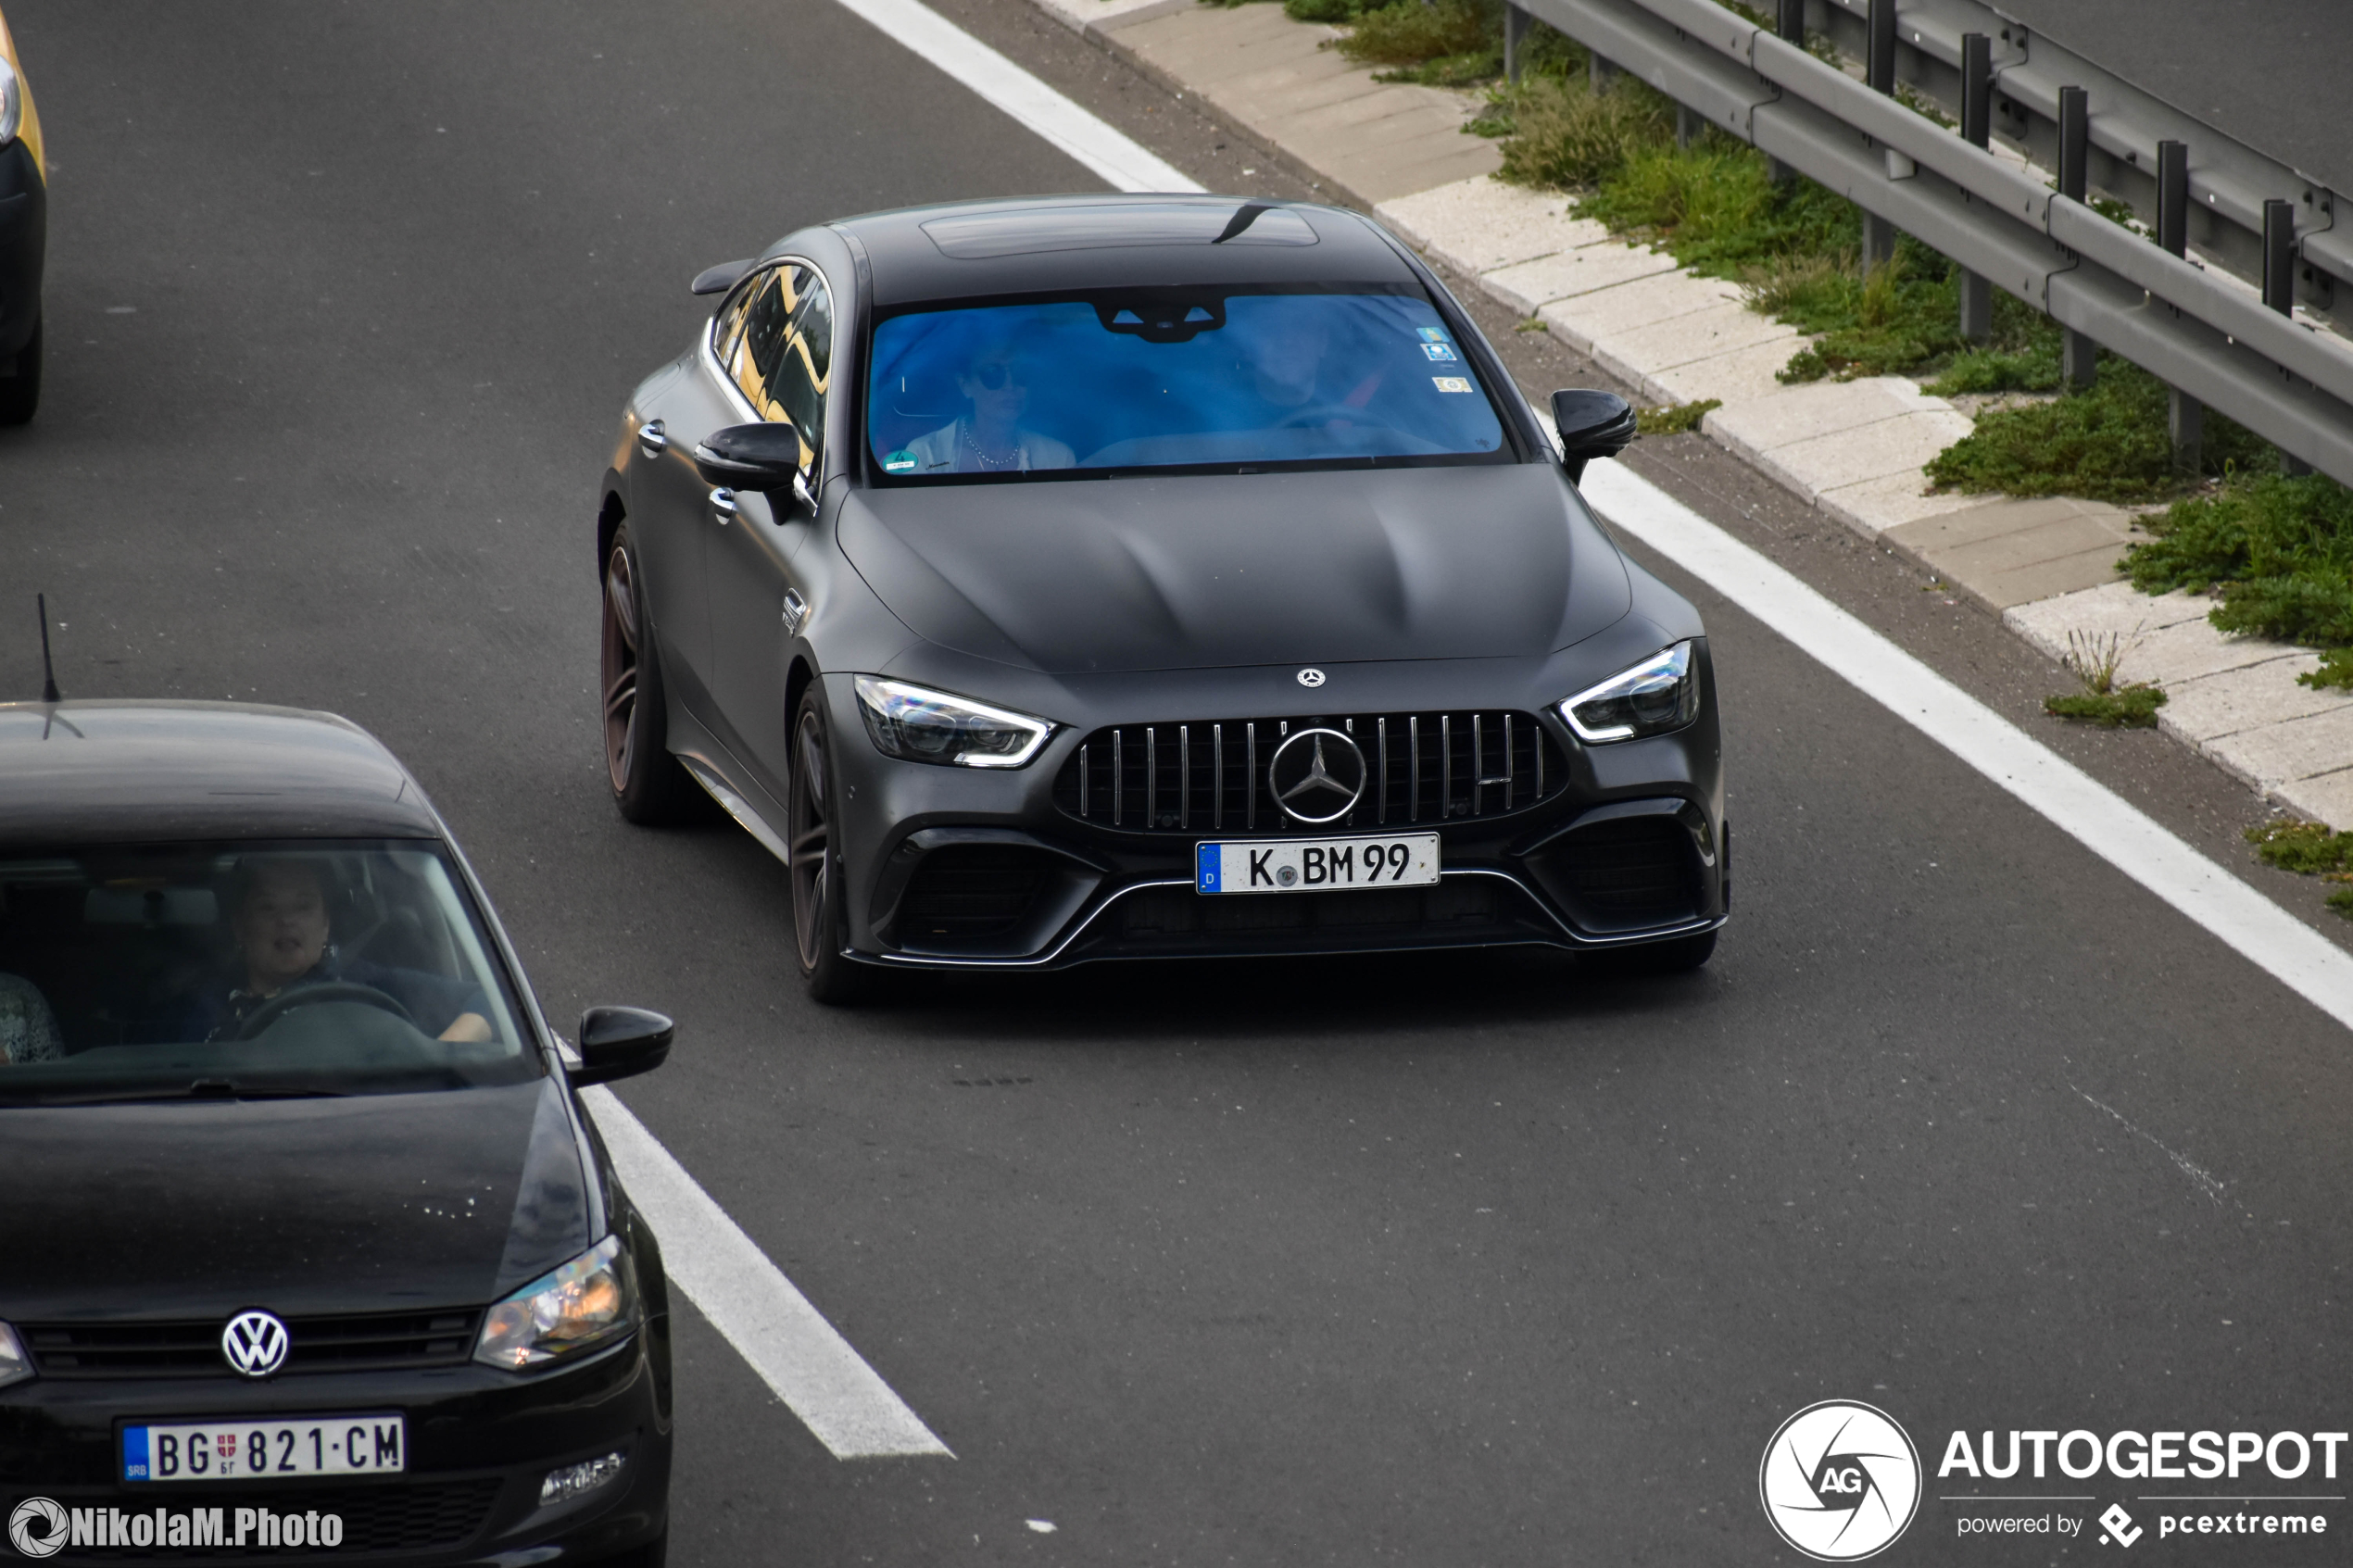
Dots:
(589, 1301)
(918, 725)
(15, 1365)
(11, 104)
(1658, 694)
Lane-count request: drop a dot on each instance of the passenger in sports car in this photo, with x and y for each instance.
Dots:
(995, 381)
(278, 920)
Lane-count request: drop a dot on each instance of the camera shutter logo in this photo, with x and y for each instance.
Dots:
(37, 1527)
(1841, 1481)
(254, 1344)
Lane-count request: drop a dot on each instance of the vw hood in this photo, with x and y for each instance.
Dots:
(370, 1203)
(1138, 573)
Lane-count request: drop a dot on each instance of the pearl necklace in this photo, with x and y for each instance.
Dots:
(985, 461)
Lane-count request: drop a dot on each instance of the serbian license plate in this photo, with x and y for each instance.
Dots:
(240, 1450)
(1316, 865)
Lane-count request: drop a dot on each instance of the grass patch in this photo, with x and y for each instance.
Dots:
(2280, 548)
(1674, 419)
(1441, 43)
(2108, 443)
(2310, 849)
(2094, 658)
(2336, 670)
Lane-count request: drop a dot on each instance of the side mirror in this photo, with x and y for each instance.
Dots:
(761, 457)
(1593, 425)
(720, 279)
(621, 1043)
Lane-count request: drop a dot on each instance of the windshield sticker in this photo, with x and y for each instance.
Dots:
(900, 462)
(1437, 351)
(1431, 334)
(1451, 383)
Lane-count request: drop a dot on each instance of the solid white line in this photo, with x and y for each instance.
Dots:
(2267, 936)
(1124, 164)
(723, 1271)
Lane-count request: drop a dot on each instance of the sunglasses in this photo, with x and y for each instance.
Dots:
(995, 376)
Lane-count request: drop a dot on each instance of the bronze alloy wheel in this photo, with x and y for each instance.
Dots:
(814, 865)
(619, 666)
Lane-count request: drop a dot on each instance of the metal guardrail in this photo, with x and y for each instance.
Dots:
(2210, 338)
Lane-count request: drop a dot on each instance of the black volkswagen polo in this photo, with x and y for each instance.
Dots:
(308, 1249)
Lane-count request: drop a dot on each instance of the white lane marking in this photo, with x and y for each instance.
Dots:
(2267, 936)
(1124, 164)
(748, 1298)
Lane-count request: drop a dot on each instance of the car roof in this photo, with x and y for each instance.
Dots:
(118, 771)
(1026, 244)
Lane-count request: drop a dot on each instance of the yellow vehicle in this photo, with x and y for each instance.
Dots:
(24, 227)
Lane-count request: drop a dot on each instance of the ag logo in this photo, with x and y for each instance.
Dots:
(1840, 1481)
(37, 1527)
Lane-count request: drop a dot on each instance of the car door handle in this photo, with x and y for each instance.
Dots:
(795, 611)
(724, 509)
(652, 440)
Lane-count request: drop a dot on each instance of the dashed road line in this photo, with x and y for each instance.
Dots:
(804, 1358)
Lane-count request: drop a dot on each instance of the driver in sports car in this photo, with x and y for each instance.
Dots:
(278, 917)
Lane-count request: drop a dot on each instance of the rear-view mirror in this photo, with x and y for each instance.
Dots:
(1593, 425)
(760, 458)
(621, 1043)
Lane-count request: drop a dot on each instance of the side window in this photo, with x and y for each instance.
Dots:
(754, 350)
(801, 371)
(727, 326)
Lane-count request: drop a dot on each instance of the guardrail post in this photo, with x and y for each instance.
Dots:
(1599, 72)
(1687, 125)
(2184, 414)
(1790, 28)
(2079, 356)
(1977, 130)
(2279, 281)
(1879, 75)
(1514, 41)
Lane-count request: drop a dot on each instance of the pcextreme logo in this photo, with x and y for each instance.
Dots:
(1840, 1481)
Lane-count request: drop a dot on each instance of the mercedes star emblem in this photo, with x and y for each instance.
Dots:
(1310, 677)
(254, 1344)
(1317, 776)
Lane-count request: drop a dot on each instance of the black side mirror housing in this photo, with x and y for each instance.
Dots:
(720, 279)
(1593, 425)
(761, 457)
(621, 1043)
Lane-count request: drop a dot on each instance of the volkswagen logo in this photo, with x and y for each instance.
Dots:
(1310, 677)
(37, 1528)
(254, 1344)
(1317, 776)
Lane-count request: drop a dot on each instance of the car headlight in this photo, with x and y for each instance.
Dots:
(11, 103)
(916, 724)
(1658, 694)
(15, 1365)
(589, 1301)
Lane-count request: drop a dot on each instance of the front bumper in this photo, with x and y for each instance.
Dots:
(480, 1442)
(958, 868)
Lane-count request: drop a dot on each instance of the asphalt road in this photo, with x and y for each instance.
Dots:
(1492, 1260)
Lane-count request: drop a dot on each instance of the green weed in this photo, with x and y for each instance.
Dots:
(2336, 670)
(2281, 548)
(2094, 658)
(1674, 419)
(1558, 132)
(2306, 847)
(2108, 443)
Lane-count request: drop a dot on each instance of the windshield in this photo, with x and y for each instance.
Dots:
(247, 970)
(1174, 379)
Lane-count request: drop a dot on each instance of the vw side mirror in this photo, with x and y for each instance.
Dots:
(621, 1043)
(761, 457)
(1593, 425)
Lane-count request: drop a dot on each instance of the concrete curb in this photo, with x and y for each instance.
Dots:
(1853, 450)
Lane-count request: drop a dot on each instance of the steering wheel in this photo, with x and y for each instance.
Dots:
(1322, 413)
(284, 1002)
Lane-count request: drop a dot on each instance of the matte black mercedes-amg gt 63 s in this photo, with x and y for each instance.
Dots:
(1171, 576)
(308, 1249)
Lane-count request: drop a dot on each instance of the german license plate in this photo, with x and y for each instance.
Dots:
(238, 1451)
(1316, 865)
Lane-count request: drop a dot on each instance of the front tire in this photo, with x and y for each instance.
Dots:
(20, 393)
(819, 926)
(650, 786)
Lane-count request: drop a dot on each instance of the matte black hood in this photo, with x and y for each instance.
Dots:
(1139, 574)
(376, 1202)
